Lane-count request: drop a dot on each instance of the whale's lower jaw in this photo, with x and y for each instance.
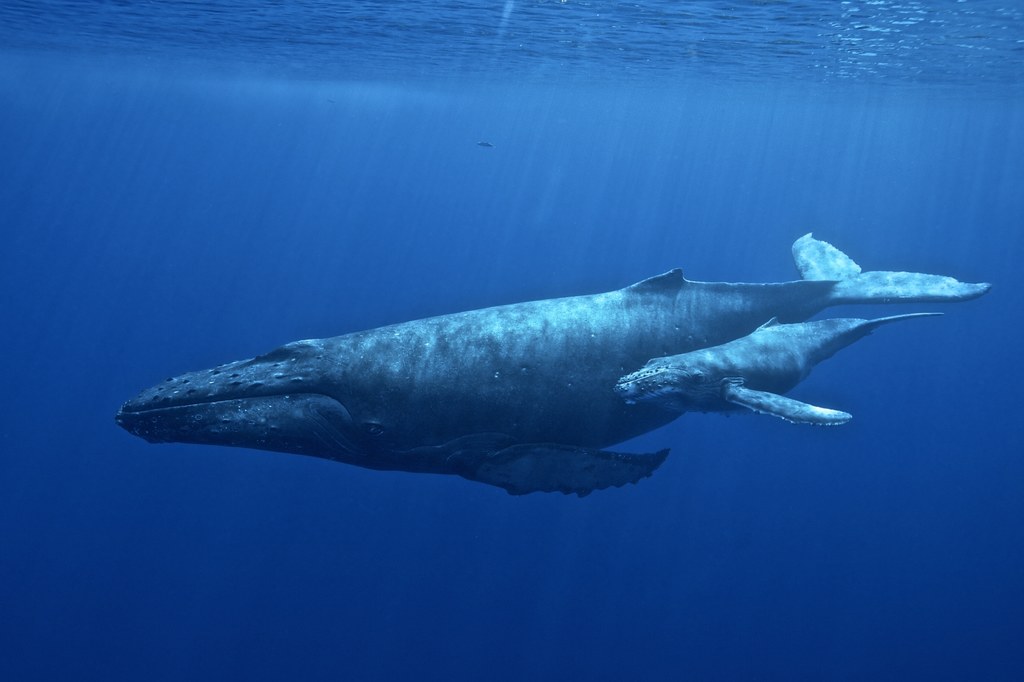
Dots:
(301, 423)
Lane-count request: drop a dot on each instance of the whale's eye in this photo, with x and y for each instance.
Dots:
(373, 428)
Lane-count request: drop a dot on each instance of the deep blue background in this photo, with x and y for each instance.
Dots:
(157, 220)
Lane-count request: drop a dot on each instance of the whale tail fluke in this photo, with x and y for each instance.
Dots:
(819, 260)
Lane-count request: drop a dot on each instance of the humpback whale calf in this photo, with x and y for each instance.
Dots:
(519, 396)
(752, 371)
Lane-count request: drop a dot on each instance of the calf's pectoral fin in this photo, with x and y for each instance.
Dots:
(782, 407)
(552, 467)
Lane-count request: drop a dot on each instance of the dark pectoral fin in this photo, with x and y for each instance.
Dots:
(783, 407)
(550, 467)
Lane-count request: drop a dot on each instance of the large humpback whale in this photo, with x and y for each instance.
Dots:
(519, 396)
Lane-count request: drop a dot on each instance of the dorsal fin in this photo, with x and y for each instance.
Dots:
(774, 322)
(666, 281)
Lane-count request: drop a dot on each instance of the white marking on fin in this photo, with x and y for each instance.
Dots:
(782, 407)
(820, 260)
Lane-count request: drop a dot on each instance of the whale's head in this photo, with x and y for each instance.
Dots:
(284, 401)
(679, 383)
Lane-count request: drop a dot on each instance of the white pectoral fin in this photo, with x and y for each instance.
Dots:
(782, 407)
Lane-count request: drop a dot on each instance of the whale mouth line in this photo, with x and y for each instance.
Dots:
(213, 401)
(299, 422)
(148, 420)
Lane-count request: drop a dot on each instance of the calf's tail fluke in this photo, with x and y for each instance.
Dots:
(818, 260)
(871, 325)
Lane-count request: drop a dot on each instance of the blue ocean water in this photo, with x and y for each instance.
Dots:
(183, 184)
